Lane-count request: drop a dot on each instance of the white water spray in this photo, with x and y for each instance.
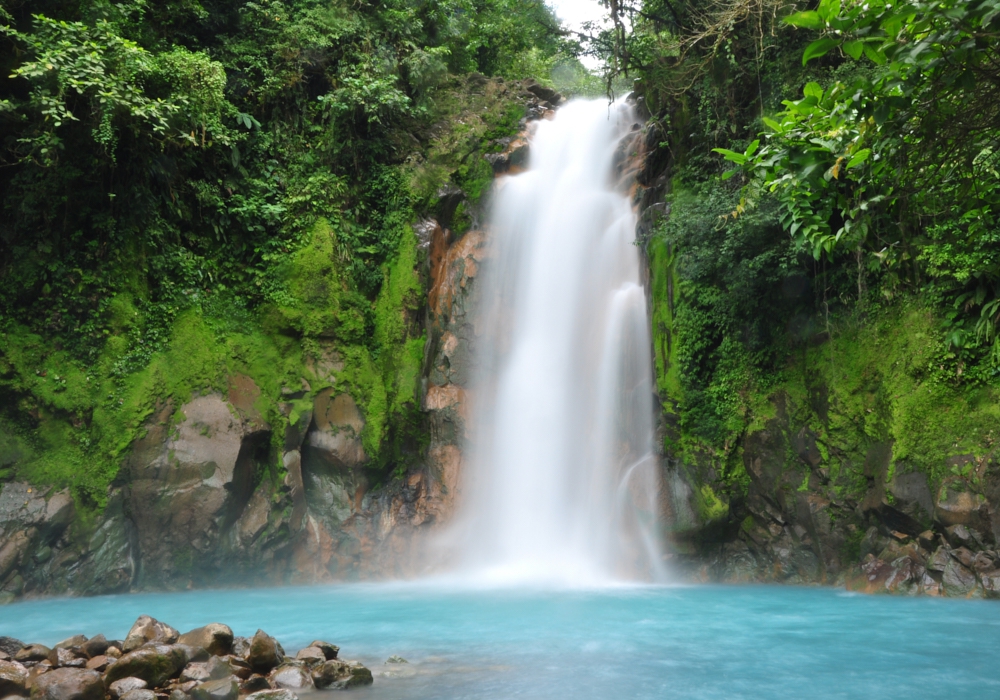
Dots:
(562, 483)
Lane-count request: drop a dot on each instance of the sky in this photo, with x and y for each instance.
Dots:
(574, 13)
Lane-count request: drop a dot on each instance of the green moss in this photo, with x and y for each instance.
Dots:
(710, 507)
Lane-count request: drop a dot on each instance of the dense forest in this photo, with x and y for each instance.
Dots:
(174, 174)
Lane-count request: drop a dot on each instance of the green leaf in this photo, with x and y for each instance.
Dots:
(828, 9)
(875, 55)
(752, 148)
(859, 157)
(813, 90)
(807, 20)
(818, 48)
(773, 125)
(854, 49)
(733, 156)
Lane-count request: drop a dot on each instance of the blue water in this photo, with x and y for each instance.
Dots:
(698, 642)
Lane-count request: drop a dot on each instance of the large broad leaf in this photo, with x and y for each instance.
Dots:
(854, 49)
(818, 48)
(807, 20)
(733, 156)
(859, 157)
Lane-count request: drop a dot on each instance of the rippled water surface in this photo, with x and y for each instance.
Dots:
(699, 642)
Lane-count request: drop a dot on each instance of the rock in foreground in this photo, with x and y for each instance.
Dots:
(156, 661)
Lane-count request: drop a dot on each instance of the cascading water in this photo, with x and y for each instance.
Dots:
(562, 482)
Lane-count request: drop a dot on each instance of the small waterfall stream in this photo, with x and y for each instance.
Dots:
(561, 485)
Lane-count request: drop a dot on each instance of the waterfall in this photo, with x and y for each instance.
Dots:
(561, 484)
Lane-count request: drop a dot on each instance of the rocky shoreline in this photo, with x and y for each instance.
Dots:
(157, 662)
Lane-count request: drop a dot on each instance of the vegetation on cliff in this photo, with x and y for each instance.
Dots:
(198, 189)
(824, 269)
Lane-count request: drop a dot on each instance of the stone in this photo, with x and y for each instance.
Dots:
(311, 655)
(192, 654)
(274, 694)
(330, 651)
(219, 689)
(99, 663)
(195, 672)
(113, 652)
(984, 561)
(66, 657)
(145, 630)
(215, 638)
(10, 646)
(396, 660)
(95, 646)
(68, 684)
(239, 667)
(124, 685)
(253, 684)
(75, 641)
(341, 675)
(262, 654)
(991, 583)
(335, 443)
(291, 676)
(139, 694)
(939, 559)
(963, 555)
(13, 679)
(32, 652)
(957, 580)
(154, 663)
(958, 506)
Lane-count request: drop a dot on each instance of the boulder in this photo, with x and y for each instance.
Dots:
(68, 684)
(991, 583)
(67, 658)
(139, 694)
(216, 638)
(311, 655)
(120, 687)
(99, 663)
(330, 651)
(291, 676)
(95, 646)
(958, 580)
(253, 684)
(13, 679)
(10, 646)
(195, 672)
(146, 630)
(32, 652)
(154, 663)
(263, 652)
(341, 675)
(218, 689)
(957, 505)
(73, 642)
(274, 694)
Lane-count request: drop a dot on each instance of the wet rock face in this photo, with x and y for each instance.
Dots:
(188, 484)
(68, 684)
